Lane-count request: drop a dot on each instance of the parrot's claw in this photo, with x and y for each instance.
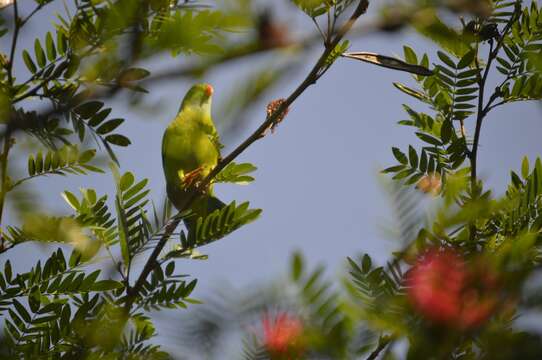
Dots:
(192, 178)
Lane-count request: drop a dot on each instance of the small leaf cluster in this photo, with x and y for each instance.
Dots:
(323, 307)
(449, 93)
(214, 226)
(236, 174)
(378, 290)
(164, 290)
(313, 8)
(316, 8)
(193, 31)
(520, 47)
(337, 52)
(93, 213)
(133, 228)
(523, 205)
(43, 63)
(66, 160)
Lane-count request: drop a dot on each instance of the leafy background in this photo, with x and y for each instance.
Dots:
(317, 179)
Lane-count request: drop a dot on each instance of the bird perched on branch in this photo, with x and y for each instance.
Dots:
(190, 150)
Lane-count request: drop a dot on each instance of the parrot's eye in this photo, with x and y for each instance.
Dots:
(209, 90)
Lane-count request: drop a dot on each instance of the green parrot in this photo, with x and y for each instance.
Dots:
(190, 150)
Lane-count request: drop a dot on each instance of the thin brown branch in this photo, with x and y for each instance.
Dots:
(493, 106)
(4, 174)
(16, 28)
(34, 90)
(36, 9)
(382, 344)
(311, 79)
(7, 136)
(319, 29)
(483, 109)
(479, 117)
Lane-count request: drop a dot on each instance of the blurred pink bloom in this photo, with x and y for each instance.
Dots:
(282, 335)
(445, 290)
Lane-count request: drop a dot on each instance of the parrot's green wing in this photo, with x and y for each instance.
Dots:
(191, 149)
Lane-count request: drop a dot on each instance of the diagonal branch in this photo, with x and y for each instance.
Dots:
(17, 26)
(382, 344)
(483, 109)
(312, 78)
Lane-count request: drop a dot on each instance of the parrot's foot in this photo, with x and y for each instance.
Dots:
(192, 178)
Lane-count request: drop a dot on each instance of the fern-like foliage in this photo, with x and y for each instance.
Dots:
(133, 227)
(253, 349)
(450, 93)
(521, 46)
(91, 115)
(93, 213)
(214, 226)
(135, 343)
(522, 209)
(43, 322)
(323, 307)
(408, 210)
(378, 289)
(67, 160)
(164, 289)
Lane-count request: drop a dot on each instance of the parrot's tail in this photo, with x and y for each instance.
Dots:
(214, 203)
(202, 208)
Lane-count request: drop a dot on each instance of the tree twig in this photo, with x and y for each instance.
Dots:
(16, 28)
(36, 9)
(319, 29)
(4, 176)
(382, 344)
(482, 109)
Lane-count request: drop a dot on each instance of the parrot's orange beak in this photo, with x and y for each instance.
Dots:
(209, 90)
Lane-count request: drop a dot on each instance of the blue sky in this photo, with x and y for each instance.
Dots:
(318, 175)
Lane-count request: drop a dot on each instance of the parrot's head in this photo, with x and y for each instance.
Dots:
(200, 95)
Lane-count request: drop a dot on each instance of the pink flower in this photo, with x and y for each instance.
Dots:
(446, 291)
(282, 335)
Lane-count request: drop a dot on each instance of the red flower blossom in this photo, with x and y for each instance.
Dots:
(282, 335)
(447, 291)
